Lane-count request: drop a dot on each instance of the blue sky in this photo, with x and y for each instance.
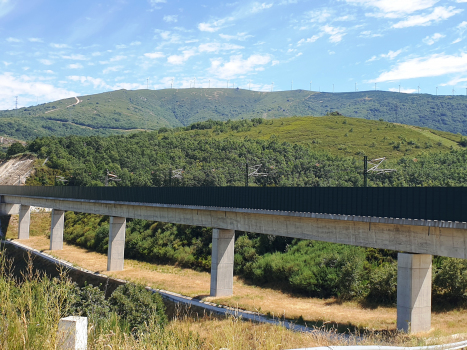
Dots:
(56, 49)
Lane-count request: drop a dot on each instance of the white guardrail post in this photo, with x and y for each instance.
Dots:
(72, 333)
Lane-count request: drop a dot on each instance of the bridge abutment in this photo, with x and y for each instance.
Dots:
(222, 262)
(116, 252)
(56, 229)
(414, 292)
(24, 221)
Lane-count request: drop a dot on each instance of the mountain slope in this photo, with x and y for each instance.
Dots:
(122, 111)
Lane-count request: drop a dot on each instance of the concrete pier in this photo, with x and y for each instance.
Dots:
(116, 252)
(24, 221)
(56, 229)
(414, 292)
(222, 262)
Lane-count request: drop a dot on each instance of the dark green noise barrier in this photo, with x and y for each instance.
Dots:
(423, 203)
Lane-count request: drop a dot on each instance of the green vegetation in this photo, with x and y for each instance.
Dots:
(121, 111)
(33, 305)
(214, 153)
(311, 268)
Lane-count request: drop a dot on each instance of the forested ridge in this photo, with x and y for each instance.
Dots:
(123, 111)
(307, 267)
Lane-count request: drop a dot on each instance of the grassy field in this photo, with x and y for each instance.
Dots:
(348, 136)
(329, 313)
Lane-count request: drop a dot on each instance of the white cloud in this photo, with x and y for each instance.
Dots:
(319, 16)
(257, 7)
(180, 59)
(394, 8)
(5, 7)
(129, 86)
(6, 63)
(117, 58)
(422, 67)
(28, 89)
(35, 40)
(75, 57)
(455, 81)
(403, 90)
(336, 33)
(58, 46)
(154, 55)
(461, 28)
(430, 40)
(309, 40)
(112, 69)
(96, 54)
(391, 54)
(170, 18)
(155, 3)
(46, 62)
(96, 82)
(237, 65)
(439, 13)
(75, 66)
(216, 47)
(48, 71)
(369, 34)
(121, 46)
(13, 40)
(168, 36)
(135, 43)
(211, 27)
(239, 36)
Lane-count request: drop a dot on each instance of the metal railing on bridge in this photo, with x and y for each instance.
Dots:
(428, 203)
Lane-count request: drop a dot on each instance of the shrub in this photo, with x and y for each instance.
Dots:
(382, 286)
(451, 279)
(138, 306)
(91, 303)
(15, 148)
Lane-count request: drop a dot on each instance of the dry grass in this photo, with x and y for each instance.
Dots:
(315, 312)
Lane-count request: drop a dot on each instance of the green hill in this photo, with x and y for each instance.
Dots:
(337, 135)
(124, 111)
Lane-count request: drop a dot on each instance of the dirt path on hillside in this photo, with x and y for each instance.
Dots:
(264, 300)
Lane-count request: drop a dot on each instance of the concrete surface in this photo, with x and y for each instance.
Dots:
(72, 333)
(56, 229)
(222, 262)
(116, 252)
(414, 292)
(413, 236)
(24, 221)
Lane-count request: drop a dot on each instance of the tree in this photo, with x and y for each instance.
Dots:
(15, 148)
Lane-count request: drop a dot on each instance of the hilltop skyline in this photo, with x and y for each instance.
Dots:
(53, 50)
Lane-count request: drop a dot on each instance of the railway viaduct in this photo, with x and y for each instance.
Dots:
(417, 222)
